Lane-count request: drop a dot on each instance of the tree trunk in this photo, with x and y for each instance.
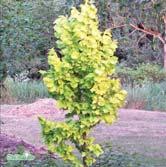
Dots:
(84, 148)
(164, 18)
(165, 56)
(84, 162)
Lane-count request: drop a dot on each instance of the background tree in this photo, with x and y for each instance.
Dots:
(81, 83)
(139, 46)
(134, 45)
(26, 35)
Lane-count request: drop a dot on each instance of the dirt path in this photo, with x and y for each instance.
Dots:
(136, 131)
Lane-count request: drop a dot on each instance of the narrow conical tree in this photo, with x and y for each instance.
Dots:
(81, 83)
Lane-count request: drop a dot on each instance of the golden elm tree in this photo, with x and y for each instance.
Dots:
(81, 83)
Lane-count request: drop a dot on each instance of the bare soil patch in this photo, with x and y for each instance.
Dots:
(136, 131)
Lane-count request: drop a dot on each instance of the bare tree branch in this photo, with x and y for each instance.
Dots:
(156, 34)
(118, 26)
(141, 38)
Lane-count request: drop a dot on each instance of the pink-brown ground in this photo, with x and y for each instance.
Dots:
(135, 130)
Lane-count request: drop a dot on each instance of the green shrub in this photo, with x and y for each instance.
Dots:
(26, 91)
(117, 158)
(141, 74)
(25, 34)
(80, 82)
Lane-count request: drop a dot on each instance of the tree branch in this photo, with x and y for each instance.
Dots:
(118, 26)
(156, 34)
(141, 38)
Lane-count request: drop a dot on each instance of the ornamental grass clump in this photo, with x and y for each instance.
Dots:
(81, 83)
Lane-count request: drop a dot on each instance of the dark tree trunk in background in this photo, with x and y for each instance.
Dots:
(164, 18)
(165, 56)
(3, 70)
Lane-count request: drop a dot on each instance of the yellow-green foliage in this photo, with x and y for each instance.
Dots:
(80, 82)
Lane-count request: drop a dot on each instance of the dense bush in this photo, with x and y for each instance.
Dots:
(141, 74)
(26, 34)
(117, 158)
